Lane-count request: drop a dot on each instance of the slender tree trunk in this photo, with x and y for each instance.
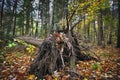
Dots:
(110, 38)
(41, 15)
(32, 25)
(95, 31)
(27, 17)
(14, 26)
(46, 26)
(91, 31)
(36, 31)
(100, 29)
(111, 26)
(118, 35)
(1, 16)
(51, 8)
(88, 31)
(14, 12)
(9, 25)
(23, 29)
(85, 30)
(42, 27)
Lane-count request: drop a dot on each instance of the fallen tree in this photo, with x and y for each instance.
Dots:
(57, 51)
(31, 40)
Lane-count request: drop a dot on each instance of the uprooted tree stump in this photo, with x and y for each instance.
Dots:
(57, 51)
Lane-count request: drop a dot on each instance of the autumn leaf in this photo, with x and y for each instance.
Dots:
(85, 79)
(31, 77)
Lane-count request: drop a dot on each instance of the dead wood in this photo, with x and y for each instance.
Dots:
(34, 41)
(56, 52)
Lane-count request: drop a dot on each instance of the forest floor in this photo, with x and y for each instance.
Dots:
(15, 64)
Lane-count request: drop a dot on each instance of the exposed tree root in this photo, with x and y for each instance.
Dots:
(57, 51)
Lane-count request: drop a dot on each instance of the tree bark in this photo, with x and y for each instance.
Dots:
(95, 31)
(31, 25)
(42, 21)
(51, 10)
(14, 12)
(1, 15)
(100, 29)
(23, 25)
(36, 31)
(118, 35)
(27, 16)
(9, 25)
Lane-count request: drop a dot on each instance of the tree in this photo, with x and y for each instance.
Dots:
(118, 35)
(28, 7)
(14, 13)
(1, 16)
(51, 10)
(100, 28)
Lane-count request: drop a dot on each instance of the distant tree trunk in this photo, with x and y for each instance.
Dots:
(14, 12)
(14, 26)
(1, 15)
(31, 25)
(42, 27)
(51, 7)
(85, 29)
(91, 31)
(46, 22)
(110, 36)
(36, 31)
(95, 32)
(41, 16)
(100, 29)
(88, 31)
(118, 35)
(27, 16)
(111, 27)
(9, 26)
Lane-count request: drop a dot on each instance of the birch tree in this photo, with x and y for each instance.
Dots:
(51, 8)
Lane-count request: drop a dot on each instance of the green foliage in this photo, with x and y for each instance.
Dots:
(29, 48)
(11, 44)
(96, 66)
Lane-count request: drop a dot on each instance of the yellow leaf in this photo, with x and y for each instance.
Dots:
(31, 77)
(85, 79)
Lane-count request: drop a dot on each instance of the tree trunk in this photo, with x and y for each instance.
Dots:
(23, 25)
(9, 26)
(112, 23)
(100, 29)
(95, 31)
(1, 15)
(27, 17)
(32, 25)
(88, 31)
(41, 16)
(36, 31)
(51, 8)
(14, 12)
(14, 26)
(118, 35)
(85, 28)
